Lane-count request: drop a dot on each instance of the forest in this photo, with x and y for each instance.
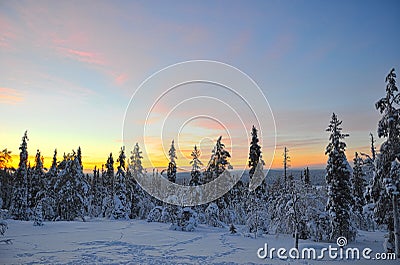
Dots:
(364, 196)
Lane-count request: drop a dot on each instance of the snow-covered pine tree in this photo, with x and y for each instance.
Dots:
(136, 166)
(108, 184)
(186, 220)
(196, 163)
(286, 165)
(5, 158)
(212, 216)
(256, 218)
(386, 187)
(134, 172)
(37, 182)
(79, 156)
(218, 162)
(48, 196)
(71, 189)
(338, 183)
(6, 178)
(19, 202)
(232, 229)
(369, 169)
(171, 171)
(38, 215)
(120, 210)
(357, 190)
(97, 194)
(306, 176)
(254, 153)
(3, 227)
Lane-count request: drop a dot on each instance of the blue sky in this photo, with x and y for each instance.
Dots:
(69, 68)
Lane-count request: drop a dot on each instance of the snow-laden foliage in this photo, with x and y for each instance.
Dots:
(196, 166)
(155, 214)
(120, 206)
(97, 194)
(218, 163)
(232, 229)
(357, 192)
(186, 220)
(19, 202)
(38, 215)
(338, 183)
(255, 152)
(212, 216)
(386, 184)
(3, 227)
(71, 189)
(171, 170)
(257, 221)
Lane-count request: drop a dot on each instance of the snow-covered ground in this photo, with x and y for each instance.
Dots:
(139, 242)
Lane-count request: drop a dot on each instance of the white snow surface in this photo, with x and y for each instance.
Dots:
(139, 242)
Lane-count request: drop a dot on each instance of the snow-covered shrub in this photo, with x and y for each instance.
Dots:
(186, 220)
(155, 214)
(232, 229)
(145, 205)
(212, 216)
(38, 215)
(48, 206)
(3, 227)
(170, 213)
(319, 227)
(228, 216)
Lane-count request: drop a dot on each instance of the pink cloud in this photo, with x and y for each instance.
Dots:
(10, 96)
(208, 124)
(121, 79)
(83, 56)
(6, 33)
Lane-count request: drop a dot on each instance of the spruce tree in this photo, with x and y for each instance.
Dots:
(307, 180)
(254, 153)
(171, 171)
(19, 202)
(218, 162)
(38, 215)
(232, 229)
(357, 185)
(5, 158)
(136, 196)
(286, 165)
(97, 194)
(120, 210)
(108, 184)
(196, 163)
(48, 196)
(357, 192)
(37, 182)
(71, 189)
(338, 183)
(136, 161)
(386, 186)
(6, 179)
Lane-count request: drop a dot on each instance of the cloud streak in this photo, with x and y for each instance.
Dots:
(10, 96)
(83, 56)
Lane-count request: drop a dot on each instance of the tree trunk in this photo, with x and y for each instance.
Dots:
(296, 239)
(396, 222)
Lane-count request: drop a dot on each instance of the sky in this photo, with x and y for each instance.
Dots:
(69, 69)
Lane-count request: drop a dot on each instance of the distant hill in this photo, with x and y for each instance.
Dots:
(317, 176)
